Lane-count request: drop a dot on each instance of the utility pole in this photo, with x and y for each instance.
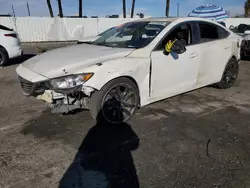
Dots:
(124, 8)
(60, 8)
(133, 8)
(28, 8)
(13, 10)
(80, 8)
(50, 9)
(167, 8)
(178, 9)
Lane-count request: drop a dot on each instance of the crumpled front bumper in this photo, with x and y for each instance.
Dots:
(49, 96)
(64, 102)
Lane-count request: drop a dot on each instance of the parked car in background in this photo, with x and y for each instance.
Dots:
(243, 30)
(139, 63)
(93, 38)
(10, 45)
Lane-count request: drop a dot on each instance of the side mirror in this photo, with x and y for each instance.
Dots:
(177, 46)
(247, 32)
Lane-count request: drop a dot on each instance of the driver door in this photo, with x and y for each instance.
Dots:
(174, 74)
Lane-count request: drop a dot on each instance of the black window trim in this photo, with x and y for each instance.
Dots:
(191, 23)
(217, 26)
(228, 33)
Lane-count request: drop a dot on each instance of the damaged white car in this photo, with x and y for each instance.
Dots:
(136, 64)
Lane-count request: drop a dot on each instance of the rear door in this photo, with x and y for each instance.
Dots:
(216, 50)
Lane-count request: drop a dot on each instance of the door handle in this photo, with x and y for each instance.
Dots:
(226, 46)
(193, 55)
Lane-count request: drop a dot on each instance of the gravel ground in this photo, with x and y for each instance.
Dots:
(199, 139)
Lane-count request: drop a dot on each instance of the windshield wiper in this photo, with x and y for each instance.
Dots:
(103, 44)
(87, 42)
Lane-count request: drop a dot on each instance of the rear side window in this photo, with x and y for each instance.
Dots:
(223, 33)
(208, 32)
(5, 28)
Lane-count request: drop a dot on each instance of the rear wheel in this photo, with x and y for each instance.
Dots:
(3, 57)
(230, 75)
(116, 102)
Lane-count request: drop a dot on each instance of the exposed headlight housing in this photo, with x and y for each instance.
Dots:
(69, 82)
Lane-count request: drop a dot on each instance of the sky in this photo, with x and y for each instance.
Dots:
(102, 8)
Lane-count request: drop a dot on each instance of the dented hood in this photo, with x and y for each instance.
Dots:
(68, 60)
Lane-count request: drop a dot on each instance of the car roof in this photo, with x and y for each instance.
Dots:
(178, 19)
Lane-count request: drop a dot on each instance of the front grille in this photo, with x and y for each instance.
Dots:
(30, 88)
(27, 86)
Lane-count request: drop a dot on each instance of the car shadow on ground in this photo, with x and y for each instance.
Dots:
(19, 60)
(245, 58)
(104, 159)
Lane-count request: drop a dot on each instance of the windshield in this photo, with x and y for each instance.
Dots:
(132, 35)
(104, 32)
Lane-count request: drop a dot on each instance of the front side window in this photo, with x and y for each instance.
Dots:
(181, 32)
(132, 35)
(208, 32)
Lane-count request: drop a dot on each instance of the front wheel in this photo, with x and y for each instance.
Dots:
(116, 102)
(230, 75)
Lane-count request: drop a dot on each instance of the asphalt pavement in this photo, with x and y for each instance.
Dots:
(198, 139)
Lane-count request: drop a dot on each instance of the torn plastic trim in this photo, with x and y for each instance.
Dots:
(68, 91)
(87, 90)
(49, 96)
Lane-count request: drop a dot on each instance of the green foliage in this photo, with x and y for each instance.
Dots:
(247, 8)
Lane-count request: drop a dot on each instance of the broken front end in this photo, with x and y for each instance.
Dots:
(63, 94)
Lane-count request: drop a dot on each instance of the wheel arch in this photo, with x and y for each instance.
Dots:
(130, 78)
(233, 57)
(4, 49)
(223, 68)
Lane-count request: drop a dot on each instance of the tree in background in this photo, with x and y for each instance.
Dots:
(60, 8)
(50, 9)
(167, 8)
(247, 8)
(80, 8)
(124, 8)
(133, 8)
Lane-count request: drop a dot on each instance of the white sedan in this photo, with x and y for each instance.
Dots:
(10, 45)
(133, 66)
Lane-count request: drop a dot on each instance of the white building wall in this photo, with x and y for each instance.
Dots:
(237, 21)
(44, 29)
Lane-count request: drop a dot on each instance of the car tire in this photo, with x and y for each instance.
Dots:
(230, 75)
(116, 102)
(3, 57)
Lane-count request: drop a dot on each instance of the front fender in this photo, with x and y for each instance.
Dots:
(135, 68)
